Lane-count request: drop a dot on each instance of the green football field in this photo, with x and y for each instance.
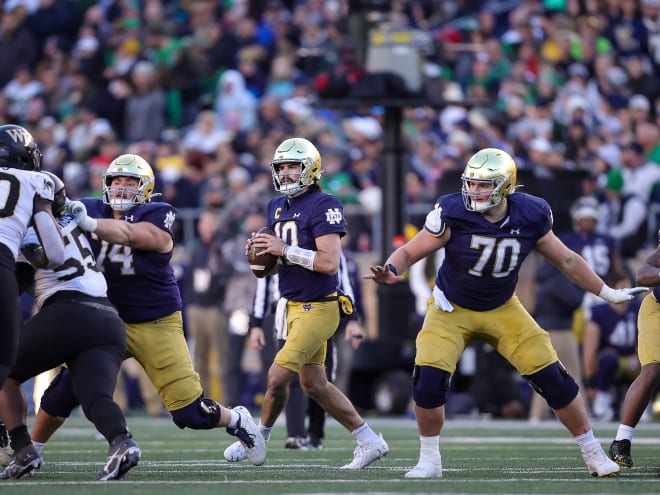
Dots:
(487, 457)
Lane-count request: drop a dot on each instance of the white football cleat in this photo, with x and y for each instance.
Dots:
(249, 436)
(426, 469)
(235, 452)
(368, 452)
(597, 462)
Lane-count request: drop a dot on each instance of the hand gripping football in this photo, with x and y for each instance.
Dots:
(261, 264)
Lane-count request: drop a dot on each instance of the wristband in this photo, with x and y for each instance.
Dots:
(300, 256)
(88, 224)
(392, 269)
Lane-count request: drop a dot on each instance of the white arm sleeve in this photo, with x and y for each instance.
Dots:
(50, 238)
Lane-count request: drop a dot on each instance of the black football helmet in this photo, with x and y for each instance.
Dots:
(18, 149)
(59, 203)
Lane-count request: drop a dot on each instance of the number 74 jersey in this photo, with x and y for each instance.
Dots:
(483, 259)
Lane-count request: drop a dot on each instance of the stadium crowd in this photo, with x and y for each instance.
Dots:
(205, 90)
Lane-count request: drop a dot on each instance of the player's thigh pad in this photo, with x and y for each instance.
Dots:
(517, 337)
(442, 339)
(161, 348)
(309, 326)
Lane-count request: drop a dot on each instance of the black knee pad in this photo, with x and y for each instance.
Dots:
(430, 386)
(203, 414)
(58, 399)
(554, 384)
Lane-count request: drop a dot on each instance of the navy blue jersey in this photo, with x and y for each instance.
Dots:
(298, 222)
(482, 259)
(596, 249)
(141, 284)
(617, 330)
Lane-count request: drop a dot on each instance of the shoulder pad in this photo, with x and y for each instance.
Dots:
(434, 224)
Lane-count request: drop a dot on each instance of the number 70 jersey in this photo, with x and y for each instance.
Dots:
(483, 259)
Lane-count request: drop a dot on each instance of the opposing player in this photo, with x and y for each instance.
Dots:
(74, 324)
(487, 230)
(25, 199)
(646, 384)
(309, 226)
(133, 241)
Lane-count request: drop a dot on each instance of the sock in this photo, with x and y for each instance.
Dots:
(364, 434)
(19, 437)
(585, 438)
(429, 448)
(233, 419)
(265, 431)
(624, 432)
(39, 446)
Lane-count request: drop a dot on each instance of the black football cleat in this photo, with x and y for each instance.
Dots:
(123, 454)
(620, 453)
(25, 460)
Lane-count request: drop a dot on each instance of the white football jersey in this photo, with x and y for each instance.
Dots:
(77, 273)
(18, 188)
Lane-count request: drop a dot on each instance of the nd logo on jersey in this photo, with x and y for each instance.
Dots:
(333, 216)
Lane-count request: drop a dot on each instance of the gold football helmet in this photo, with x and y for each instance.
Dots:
(300, 151)
(488, 166)
(123, 198)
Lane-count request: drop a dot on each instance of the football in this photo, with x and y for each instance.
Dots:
(262, 264)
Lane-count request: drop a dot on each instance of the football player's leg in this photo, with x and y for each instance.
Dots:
(439, 345)
(94, 375)
(528, 348)
(9, 313)
(294, 411)
(315, 412)
(160, 347)
(13, 410)
(643, 388)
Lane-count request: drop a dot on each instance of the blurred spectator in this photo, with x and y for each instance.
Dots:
(609, 350)
(556, 299)
(206, 277)
(206, 134)
(18, 44)
(144, 116)
(234, 101)
(495, 387)
(19, 90)
(626, 215)
(335, 179)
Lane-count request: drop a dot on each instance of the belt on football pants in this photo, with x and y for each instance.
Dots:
(73, 296)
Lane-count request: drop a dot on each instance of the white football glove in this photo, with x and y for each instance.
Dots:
(78, 211)
(617, 296)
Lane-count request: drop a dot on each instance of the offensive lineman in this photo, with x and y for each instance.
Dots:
(132, 239)
(487, 231)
